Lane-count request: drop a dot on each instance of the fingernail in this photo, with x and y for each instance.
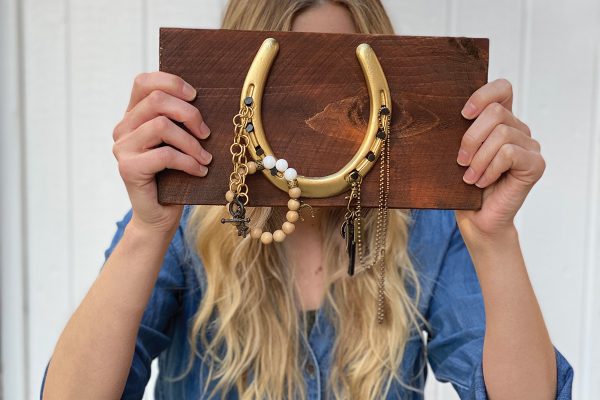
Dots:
(469, 176)
(463, 158)
(189, 91)
(204, 129)
(206, 156)
(203, 170)
(469, 110)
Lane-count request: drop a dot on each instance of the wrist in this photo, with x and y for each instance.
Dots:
(164, 224)
(482, 242)
(139, 231)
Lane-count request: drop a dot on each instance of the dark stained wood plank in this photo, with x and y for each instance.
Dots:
(315, 111)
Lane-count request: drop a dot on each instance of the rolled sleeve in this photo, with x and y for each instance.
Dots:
(456, 318)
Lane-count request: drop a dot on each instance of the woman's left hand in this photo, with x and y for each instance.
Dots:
(502, 157)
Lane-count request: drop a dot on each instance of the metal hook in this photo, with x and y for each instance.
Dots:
(304, 204)
(353, 194)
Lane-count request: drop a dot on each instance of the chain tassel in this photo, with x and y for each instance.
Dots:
(354, 216)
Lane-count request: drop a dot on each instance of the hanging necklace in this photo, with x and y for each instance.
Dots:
(250, 138)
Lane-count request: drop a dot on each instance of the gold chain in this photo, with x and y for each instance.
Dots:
(358, 225)
(383, 210)
(237, 178)
(382, 220)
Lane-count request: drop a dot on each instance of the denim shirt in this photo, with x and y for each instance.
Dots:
(451, 302)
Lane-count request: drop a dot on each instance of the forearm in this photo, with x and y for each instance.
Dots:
(518, 356)
(94, 352)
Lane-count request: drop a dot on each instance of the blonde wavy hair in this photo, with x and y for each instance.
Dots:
(249, 319)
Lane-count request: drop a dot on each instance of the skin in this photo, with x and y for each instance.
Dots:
(93, 355)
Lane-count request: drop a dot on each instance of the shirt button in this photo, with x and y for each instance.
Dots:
(310, 369)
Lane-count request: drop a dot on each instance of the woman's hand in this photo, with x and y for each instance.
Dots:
(158, 99)
(502, 157)
(518, 356)
(86, 365)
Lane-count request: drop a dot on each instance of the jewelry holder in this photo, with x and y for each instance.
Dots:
(315, 111)
(327, 103)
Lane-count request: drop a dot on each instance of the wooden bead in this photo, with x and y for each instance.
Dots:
(266, 237)
(293, 204)
(288, 227)
(278, 235)
(255, 233)
(295, 192)
(251, 167)
(229, 196)
(292, 216)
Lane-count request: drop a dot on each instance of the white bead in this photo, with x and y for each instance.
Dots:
(269, 162)
(290, 174)
(281, 165)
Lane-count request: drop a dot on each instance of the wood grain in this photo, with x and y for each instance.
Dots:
(315, 111)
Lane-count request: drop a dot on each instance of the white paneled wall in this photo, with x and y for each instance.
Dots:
(66, 69)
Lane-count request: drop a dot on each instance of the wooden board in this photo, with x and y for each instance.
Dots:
(315, 111)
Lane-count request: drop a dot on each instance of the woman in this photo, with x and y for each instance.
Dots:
(232, 317)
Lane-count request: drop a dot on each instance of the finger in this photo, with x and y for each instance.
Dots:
(147, 82)
(501, 135)
(162, 130)
(498, 91)
(524, 165)
(493, 115)
(153, 161)
(160, 103)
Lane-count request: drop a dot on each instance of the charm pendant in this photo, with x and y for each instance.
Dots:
(239, 219)
(348, 232)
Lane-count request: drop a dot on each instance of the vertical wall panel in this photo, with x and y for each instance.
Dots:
(501, 22)
(13, 334)
(558, 106)
(103, 64)
(47, 184)
(590, 365)
(426, 17)
(106, 44)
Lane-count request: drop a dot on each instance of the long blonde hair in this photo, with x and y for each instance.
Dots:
(249, 319)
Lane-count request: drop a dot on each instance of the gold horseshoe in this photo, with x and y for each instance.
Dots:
(336, 183)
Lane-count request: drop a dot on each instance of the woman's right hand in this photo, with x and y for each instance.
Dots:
(158, 99)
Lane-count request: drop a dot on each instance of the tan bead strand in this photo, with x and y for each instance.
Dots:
(291, 216)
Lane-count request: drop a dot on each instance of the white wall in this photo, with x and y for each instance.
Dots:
(66, 69)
